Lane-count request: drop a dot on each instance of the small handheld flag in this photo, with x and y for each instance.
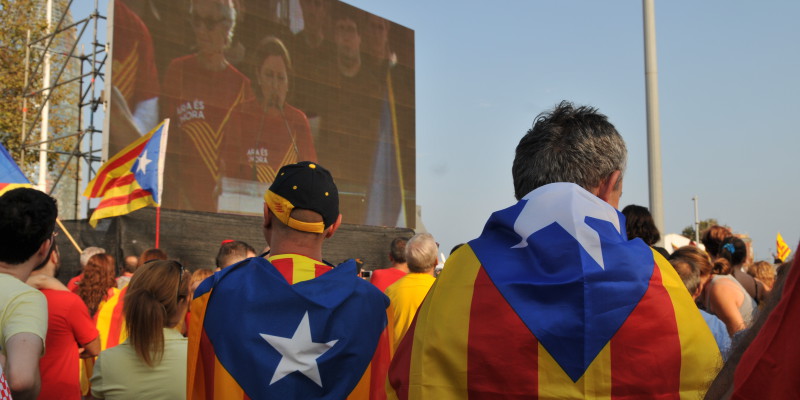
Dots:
(131, 179)
(11, 177)
(783, 248)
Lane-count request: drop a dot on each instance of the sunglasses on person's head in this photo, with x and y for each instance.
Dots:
(181, 271)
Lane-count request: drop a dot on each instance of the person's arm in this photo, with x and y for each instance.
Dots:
(91, 349)
(725, 301)
(23, 351)
(40, 282)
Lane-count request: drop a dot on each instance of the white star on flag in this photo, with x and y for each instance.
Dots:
(298, 353)
(568, 205)
(143, 161)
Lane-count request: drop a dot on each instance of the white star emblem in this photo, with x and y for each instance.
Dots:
(298, 353)
(143, 161)
(568, 205)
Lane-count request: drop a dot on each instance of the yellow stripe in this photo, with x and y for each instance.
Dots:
(12, 186)
(447, 323)
(361, 391)
(225, 387)
(697, 343)
(194, 372)
(122, 209)
(594, 384)
(396, 135)
(104, 315)
(204, 145)
(125, 71)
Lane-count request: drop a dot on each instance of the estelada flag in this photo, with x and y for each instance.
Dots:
(254, 335)
(131, 179)
(783, 248)
(110, 323)
(11, 177)
(768, 368)
(553, 301)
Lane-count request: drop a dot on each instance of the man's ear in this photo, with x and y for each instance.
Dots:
(330, 231)
(608, 186)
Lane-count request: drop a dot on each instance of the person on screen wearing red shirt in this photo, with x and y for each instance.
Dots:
(274, 133)
(71, 334)
(135, 88)
(203, 94)
(383, 278)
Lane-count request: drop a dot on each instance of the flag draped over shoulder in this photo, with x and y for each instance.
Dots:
(254, 335)
(110, 323)
(131, 179)
(553, 301)
(783, 249)
(768, 368)
(11, 177)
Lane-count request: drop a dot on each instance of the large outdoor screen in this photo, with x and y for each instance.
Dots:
(251, 85)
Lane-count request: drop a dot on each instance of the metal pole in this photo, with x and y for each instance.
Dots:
(696, 221)
(653, 132)
(46, 107)
(25, 100)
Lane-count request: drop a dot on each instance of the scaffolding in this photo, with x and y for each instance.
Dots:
(85, 151)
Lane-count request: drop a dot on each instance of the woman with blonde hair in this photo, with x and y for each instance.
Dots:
(151, 363)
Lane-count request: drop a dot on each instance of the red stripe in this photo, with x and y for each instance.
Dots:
(380, 367)
(3, 185)
(103, 173)
(207, 356)
(117, 317)
(502, 353)
(118, 181)
(401, 363)
(646, 351)
(122, 200)
(286, 267)
(321, 269)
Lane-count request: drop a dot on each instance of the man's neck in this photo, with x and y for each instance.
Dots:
(292, 248)
(19, 271)
(400, 266)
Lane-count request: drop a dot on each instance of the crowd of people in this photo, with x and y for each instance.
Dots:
(559, 297)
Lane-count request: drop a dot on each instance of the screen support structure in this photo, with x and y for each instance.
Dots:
(92, 60)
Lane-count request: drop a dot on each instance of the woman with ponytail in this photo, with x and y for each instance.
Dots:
(151, 363)
(725, 297)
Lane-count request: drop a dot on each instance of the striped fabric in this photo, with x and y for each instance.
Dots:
(207, 377)
(503, 323)
(110, 323)
(11, 177)
(783, 249)
(122, 185)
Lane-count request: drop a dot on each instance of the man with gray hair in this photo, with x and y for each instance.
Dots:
(552, 300)
(407, 293)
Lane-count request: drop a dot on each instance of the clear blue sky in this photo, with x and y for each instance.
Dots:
(728, 82)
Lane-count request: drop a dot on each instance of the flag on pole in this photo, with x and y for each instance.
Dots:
(131, 179)
(11, 177)
(783, 248)
(553, 301)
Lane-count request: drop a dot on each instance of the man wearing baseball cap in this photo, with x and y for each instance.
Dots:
(286, 324)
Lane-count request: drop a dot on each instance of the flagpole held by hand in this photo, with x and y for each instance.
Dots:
(71, 239)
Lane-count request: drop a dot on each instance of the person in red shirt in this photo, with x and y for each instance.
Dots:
(71, 334)
(383, 278)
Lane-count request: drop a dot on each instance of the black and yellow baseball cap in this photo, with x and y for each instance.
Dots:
(307, 186)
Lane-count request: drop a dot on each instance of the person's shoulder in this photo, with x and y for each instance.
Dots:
(12, 287)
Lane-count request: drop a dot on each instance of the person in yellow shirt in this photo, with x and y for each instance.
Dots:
(407, 294)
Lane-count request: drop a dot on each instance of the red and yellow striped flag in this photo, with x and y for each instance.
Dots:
(131, 179)
(783, 248)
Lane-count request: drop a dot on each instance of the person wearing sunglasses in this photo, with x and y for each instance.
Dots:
(27, 237)
(151, 363)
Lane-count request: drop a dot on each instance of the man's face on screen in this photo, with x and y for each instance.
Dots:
(212, 23)
(274, 81)
(348, 41)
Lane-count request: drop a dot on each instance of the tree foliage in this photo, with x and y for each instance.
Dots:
(704, 224)
(19, 17)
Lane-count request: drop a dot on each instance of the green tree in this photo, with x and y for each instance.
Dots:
(19, 17)
(704, 224)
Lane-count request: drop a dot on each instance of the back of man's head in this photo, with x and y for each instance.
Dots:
(304, 197)
(568, 144)
(421, 251)
(88, 252)
(397, 250)
(689, 273)
(27, 219)
(232, 252)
